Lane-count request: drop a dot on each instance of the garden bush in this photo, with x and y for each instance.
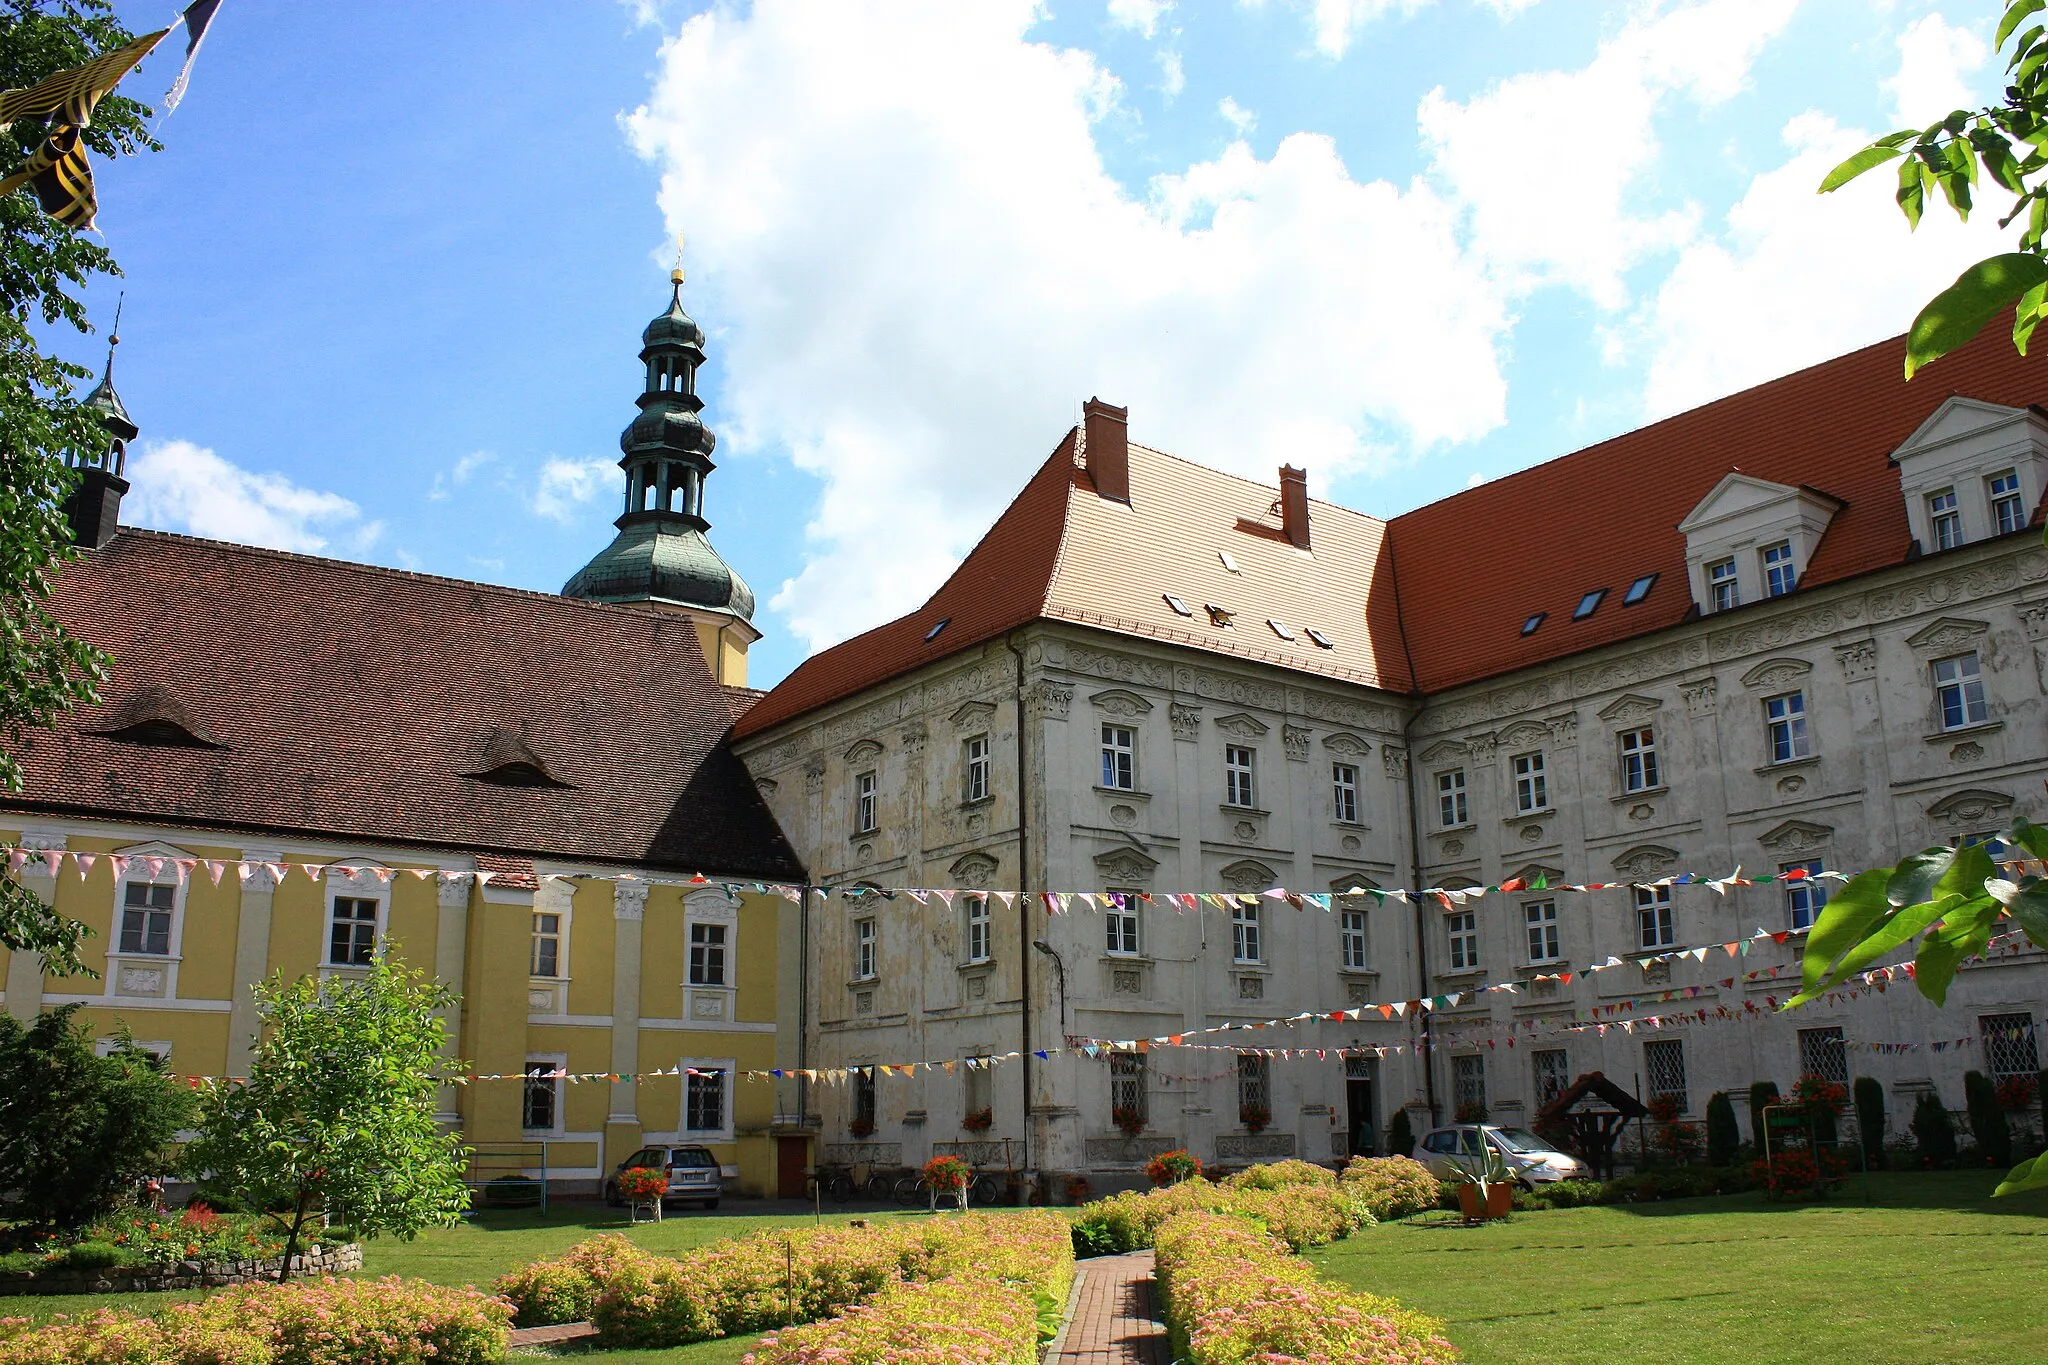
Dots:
(1724, 1138)
(1272, 1175)
(970, 1318)
(1400, 1135)
(1761, 1094)
(1572, 1194)
(1870, 1120)
(1300, 1215)
(1987, 1119)
(1389, 1187)
(1934, 1133)
(93, 1255)
(565, 1288)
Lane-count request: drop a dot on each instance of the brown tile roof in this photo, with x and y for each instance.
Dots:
(349, 702)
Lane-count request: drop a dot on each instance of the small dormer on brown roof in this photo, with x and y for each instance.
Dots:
(156, 715)
(508, 761)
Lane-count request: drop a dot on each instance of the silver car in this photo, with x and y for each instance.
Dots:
(1533, 1161)
(693, 1175)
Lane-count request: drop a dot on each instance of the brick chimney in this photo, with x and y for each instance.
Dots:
(1106, 443)
(1294, 504)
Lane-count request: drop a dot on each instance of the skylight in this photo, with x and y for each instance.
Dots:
(1529, 626)
(933, 633)
(1229, 564)
(1589, 604)
(1280, 630)
(1218, 616)
(1322, 640)
(1639, 589)
(1180, 608)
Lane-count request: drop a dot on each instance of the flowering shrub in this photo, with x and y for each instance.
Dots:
(1301, 1215)
(978, 1120)
(1170, 1168)
(310, 1322)
(1129, 1119)
(565, 1288)
(945, 1173)
(1233, 1296)
(1680, 1141)
(1254, 1116)
(1665, 1108)
(1389, 1187)
(2016, 1092)
(971, 1319)
(1818, 1093)
(145, 1236)
(643, 1184)
(1274, 1174)
(1800, 1173)
(861, 1127)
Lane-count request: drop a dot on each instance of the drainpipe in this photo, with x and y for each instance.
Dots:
(1023, 913)
(1415, 847)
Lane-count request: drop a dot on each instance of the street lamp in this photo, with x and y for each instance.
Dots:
(1059, 978)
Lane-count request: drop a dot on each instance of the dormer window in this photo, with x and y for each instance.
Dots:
(1780, 577)
(156, 716)
(509, 762)
(1723, 589)
(1749, 540)
(1944, 520)
(1971, 471)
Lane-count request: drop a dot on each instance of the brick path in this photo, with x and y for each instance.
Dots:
(1114, 1319)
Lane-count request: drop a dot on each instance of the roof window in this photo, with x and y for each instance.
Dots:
(509, 762)
(1322, 640)
(1180, 608)
(1589, 604)
(1280, 630)
(933, 633)
(1529, 626)
(1229, 564)
(1639, 589)
(1218, 616)
(157, 716)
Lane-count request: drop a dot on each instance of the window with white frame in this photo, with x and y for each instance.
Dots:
(1664, 1072)
(1121, 923)
(1945, 519)
(1540, 917)
(1785, 723)
(1462, 929)
(1119, 758)
(1254, 1087)
(976, 1085)
(352, 931)
(707, 954)
(977, 929)
(1804, 895)
(1552, 1072)
(1959, 691)
(1653, 917)
(1344, 793)
(864, 949)
(704, 1099)
(2009, 1045)
(2008, 512)
(1780, 576)
(1244, 933)
(976, 768)
(540, 1109)
(1468, 1083)
(147, 909)
(1823, 1053)
(1639, 760)
(1532, 786)
(864, 811)
(1351, 926)
(547, 943)
(1127, 1086)
(1238, 789)
(1722, 589)
(1450, 799)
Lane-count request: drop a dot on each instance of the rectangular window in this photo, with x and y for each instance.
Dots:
(1653, 916)
(1351, 925)
(977, 769)
(2008, 514)
(976, 1085)
(541, 1103)
(864, 1099)
(1244, 933)
(1639, 760)
(1237, 776)
(977, 928)
(1664, 1072)
(704, 1101)
(146, 918)
(1785, 720)
(352, 941)
(1468, 1083)
(1119, 758)
(1541, 918)
(1804, 897)
(1463, 928)
(864, 955)
(1959, 689)
(1945, 519)
(1450, 798)
(547, 943)
(1553, 1074)
(1127, 1088)
(1344, 792)
(1779, 575)
(1722, 592)
(1822, 1053)
(864, 804)
(2009, 1048)
(1121, 920)
(1254, 1088)
(1532, 788)
(707, 955)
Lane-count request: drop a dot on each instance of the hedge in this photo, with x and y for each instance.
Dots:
(966, 1319)
(1299, 1215)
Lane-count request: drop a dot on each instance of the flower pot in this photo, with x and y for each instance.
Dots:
(1497, 1202)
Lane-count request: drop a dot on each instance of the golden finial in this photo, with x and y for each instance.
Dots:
(676, 276)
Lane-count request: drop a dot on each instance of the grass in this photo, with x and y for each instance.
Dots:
(1931, 1269)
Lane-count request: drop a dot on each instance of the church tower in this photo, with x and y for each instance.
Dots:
(94, 509)
(661, 556)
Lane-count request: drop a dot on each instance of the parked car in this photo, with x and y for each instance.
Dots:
(1534, 1161)
(693, 1175)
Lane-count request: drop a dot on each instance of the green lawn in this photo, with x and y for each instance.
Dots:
(1932, 1269)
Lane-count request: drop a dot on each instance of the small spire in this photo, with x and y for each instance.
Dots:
(114, 338)
(675, 277)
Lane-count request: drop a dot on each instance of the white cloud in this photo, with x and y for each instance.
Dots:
(179, 486)
(565, 486)
(916, 267)
(456, 475)
(1335, 23)
(1936, 60)
(1551, 164)
(1173, 78)
(1237, 116)
(1141, 15)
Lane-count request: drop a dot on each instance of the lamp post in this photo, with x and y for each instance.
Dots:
(1059, 979)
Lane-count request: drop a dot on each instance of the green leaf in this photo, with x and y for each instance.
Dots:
(1960, 311)
(1913, 880)
(2029, 836)
(1874, 155)
(2033, 306)
(2028, 905)
(1897, 931)
(1912, 192)
(1934, 967)
(2028, 1175)
(1849, 917)
(2015, 14)
(1967, 874)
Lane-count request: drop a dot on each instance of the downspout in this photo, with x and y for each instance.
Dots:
(1023, 913)
(1415, 845)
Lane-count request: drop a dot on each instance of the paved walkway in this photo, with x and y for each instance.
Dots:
(1115, 1322)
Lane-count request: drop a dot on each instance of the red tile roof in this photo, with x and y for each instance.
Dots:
(348, 702)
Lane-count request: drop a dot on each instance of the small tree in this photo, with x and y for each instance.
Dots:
(337, 1114)
(80, 1132)
(1933, 1132)
(1987, 1118)
(1724, 1138)
(1870, 1119)
(1761, 1095)
(1400, 1135)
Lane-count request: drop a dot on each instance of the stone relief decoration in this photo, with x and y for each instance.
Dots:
(1126, 981)
(1791, 784)
(1496, 705)
(1295, 739)
(1481, 746)
(1186, 720)
(1394, 760)
(1117, 702)
(1122, 816)
(1699, 697)
(1350, 843)
(1641, 811)
(1658, 973)
(1775, 675)
(863, 751)
(1249, 874)
(142, 981)
(1454, 848)
(1629, 708)
(814, 776)
(1251, 988)
(1340, 711)
(1049, 701)
(973, 871)
(863, 1002)
(1443, 748)
(451, 892)
(711, 905)
(1532, 834)
(1795, 836)
(629, 900)
(1358, 993)
(1949, 635)
(767, 786)
(977, 987)
(1646, 860)
(1564, 729)
(1969, 751)
(1971, 806)
(1246, 831)
(1242, 725)
(913, 737)
(1858, 660)
(1981, 581)
(1552, 875)
(2034, 619)
(1526, 733)
(977, 825)
(972, 715)
(1350, 745)
(1127, 867)
(865, 853)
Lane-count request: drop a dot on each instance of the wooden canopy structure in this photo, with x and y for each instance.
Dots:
(1587, 1117)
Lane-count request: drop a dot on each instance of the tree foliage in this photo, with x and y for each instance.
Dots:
(1870, 1118)
(79, 1132)
(1724, 1137)
(43, 267)
(337, 1113)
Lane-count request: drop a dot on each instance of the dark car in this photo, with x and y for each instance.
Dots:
(693, 1175)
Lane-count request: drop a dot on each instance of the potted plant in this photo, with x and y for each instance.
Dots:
(978, 1120)
(641, 1186)
(861, 1127)
(1486, 1189)
(1664, 1108)
(1128, 1119)
(1820, 1095)
(1170, 1168)
(948, 1173)
(1078, 1189)
(1254, 1116)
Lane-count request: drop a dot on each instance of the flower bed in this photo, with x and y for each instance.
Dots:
(1302, 1215)
(968, 1319)
(312, 1322)
(1390, 1187)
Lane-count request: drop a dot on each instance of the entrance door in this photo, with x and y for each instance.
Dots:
(1360, 1076)
(791, 1155)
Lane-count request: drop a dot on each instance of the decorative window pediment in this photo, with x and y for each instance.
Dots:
(1647, 860)
(1242, 725)
(1552, 876)
(972, 714)
(1971, 806)
(1795, 836)
(156, 715)
(1949, 635)
(974, 871)
(1126, 866)
(1525, 733)
(1443, 748)
(1629, 708)
(508, 761)
(1962, 446)
(1775, 675)
(1358, 881)
(1348, 744)
(1737, 522)
(863, 751)
(1248, 875)
(1119, 701)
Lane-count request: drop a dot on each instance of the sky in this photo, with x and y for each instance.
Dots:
(384, 284)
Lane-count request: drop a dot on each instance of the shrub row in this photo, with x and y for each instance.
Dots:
(1678, 1182)
(310, 1322)
(1233, 1295)
(1301, 1204)
(1390, 1187)
(967, 1318)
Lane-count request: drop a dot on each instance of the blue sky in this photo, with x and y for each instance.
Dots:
(386, 281)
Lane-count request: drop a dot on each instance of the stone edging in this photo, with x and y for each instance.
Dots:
(1052, 1349)
(178, 1274)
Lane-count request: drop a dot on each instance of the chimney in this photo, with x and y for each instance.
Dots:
(1294, 504)
(1106, 442)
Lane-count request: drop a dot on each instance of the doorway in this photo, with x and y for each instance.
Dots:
(1361, 1079)
(791, 1165)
